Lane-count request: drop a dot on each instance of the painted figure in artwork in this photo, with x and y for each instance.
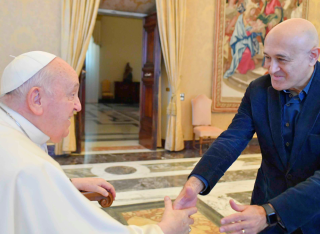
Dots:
(245, 31)
(244, 42)
(240, 31)
(272, 14)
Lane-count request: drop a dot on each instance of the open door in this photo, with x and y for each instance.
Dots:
(151, 70)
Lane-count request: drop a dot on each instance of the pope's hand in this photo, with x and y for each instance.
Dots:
(250, 218)
(97, 185)
(176, 221)
(188, 195)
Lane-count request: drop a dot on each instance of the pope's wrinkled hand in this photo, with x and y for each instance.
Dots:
(176, 221)
(97, 185)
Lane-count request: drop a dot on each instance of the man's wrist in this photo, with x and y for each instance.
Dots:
(270, 211)
(272, 217)
(196, 183)
(278, 217)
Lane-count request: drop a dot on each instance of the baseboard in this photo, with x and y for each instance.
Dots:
(189, 145)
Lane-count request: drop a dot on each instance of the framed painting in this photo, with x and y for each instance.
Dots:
(240, 29)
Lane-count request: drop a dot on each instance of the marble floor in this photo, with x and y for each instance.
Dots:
(111, 127)
(142, 178)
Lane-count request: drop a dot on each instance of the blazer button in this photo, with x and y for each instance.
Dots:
(289, 176)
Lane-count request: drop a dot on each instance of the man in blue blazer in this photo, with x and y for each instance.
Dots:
(282, 108)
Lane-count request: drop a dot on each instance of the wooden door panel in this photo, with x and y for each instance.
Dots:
(150, 47)
(148, 91)
(150, 83)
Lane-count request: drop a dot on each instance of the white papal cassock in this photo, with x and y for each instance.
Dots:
(35, 194)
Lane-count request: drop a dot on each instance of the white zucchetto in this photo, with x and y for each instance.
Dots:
(22, 68)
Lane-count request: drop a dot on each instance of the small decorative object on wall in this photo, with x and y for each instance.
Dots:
(240, 29)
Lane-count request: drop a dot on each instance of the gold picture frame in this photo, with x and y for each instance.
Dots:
(240, 29)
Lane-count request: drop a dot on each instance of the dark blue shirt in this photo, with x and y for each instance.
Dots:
(292, 106)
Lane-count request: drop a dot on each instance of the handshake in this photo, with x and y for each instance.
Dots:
(176, 217)
(249, 219)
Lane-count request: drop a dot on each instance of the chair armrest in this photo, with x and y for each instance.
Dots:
(103, 201)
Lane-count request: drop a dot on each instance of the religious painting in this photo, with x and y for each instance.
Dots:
(241, 27)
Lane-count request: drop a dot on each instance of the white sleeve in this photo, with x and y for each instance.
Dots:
(47, 202)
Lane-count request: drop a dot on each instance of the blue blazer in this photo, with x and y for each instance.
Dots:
(291, 186)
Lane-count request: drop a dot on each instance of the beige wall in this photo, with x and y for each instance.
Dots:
(198, 58)
(121, 42)
(198, 62)
(27, 25)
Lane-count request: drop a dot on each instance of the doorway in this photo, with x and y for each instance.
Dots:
(114, 71)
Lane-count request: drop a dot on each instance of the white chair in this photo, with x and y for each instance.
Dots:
(201, 121)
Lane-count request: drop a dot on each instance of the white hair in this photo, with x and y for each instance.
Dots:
(43, 78)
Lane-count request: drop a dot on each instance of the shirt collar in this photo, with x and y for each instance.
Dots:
(306, 89)
(35, 134)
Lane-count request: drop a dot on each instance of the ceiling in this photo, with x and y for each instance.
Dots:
(137, 6)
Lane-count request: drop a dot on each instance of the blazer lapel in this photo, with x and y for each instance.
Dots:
(275, 117)
(308, 116)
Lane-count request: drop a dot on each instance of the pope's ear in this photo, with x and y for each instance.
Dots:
(34, 101)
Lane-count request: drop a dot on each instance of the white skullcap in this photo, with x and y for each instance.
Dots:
(22, 68)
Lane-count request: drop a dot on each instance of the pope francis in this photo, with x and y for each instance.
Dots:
(38, 95)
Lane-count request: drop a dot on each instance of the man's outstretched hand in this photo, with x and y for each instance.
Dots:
(97, 185)
(250, 219)
(188, 195)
